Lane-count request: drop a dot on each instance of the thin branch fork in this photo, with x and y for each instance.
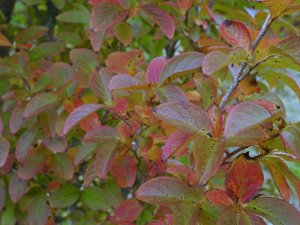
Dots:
(245, 69)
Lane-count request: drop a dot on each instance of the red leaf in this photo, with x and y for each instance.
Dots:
(4, 151)
(128, 211)
(79, 114)
(186, 116)
(154, 70)
(177, 140)
(163, 19)
(17, 188)
(218, 197)
(166, 190)
(244, 179)
(236, 33)
(124, 171)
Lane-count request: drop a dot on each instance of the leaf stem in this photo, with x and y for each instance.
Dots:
(245, 69)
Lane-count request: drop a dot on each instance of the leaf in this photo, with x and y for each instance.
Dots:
(209, 213)
(95, 198)
(161, 17)
(123, 32)
(99, 82)
(84, 59)
(2, 193)
(102, 135)
(84, 151)
(186, 116)
(4, 41)
(39, 210)
(291, 47)
(277, 7)
(237, 34)
(62, 73)
(113, 192)
(126, 82)
(166, 190)
(290, 136)
(128, 211)
(185, 5)
(40, 103)
(176, 141)
(30, 34)
(97, 38)
(56, 144)
(124, 171)
(24, 143)
(208, 155)
(32, 165)
(62, 166)
(180, 65)
(73, 16)
(186, 214)
(244, 124)
(79, 114)
(154, 70)
(208, 89)
(279, 179)
(64, 197)
(244, 179)
(4, 151)
(171, 93)
(105, 14)
(16, 119)
(277, 211)
(59, 3)
(218, 197)
(46, 49)
(17, 188)
(104, 159)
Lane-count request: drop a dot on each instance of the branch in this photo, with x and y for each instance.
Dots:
(245, 69)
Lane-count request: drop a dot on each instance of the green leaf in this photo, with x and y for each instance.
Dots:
(183, 64)
(123, 32)
(59, 3)
(62, 166)
(8, 216)
(277, 211)
(95, 198)
(64, 197)
(46, 49)
(186, 214)
(73, 16)
(40, 103)
(2, 193)
(39, 210)
(30, 34)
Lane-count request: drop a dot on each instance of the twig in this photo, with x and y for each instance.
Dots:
(244, 68)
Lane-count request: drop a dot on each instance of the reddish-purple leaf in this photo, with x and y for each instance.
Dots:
(102, 135)
(277, 211)
(176, 141)
(4, 150)
(208, 155)
(79, 114)
(16, 119)
(56, 144)
(154, 70)
(104, 159)
(290, 136)
(1, 126)
(166, 190)
(128, 211)
(171, 93)
(244, 124)
(17, 188)
(186, 116)
(99, 82)
(125, 82)
(237, 34)
(161, 17)
(32, 165)
(105, 14)
(124, 171)
(244, 179)
(184, 5)
(180, 65)
(40, 103)
(24, 143)
(218, 197)
(97, 38)
(213, 62)
(90, 175)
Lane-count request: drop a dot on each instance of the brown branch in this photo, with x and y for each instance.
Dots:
(245, 69)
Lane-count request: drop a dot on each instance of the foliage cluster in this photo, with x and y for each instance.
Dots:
(149, 112)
